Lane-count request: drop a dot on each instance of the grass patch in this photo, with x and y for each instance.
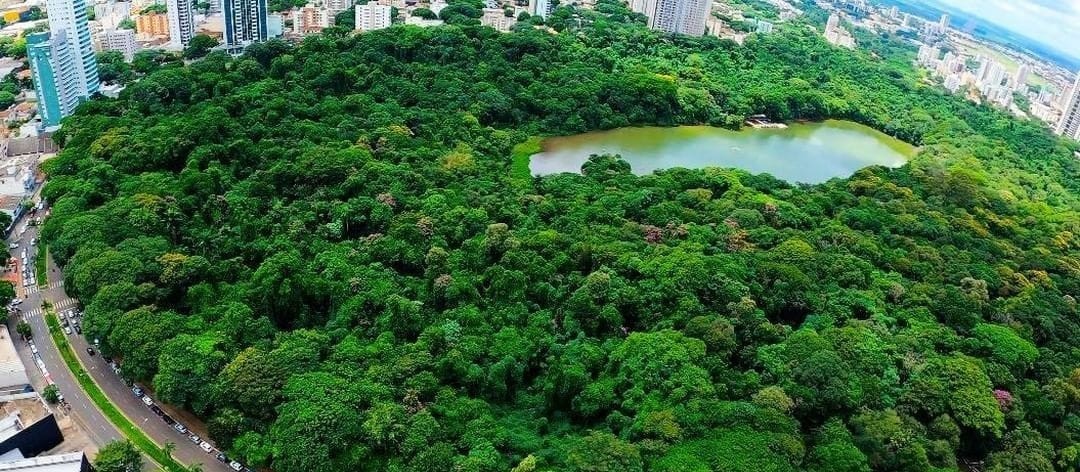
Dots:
(125, 426)
(519, 158)
(40, 266)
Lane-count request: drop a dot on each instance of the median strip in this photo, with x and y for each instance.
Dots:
(122, 423)
(40, 266)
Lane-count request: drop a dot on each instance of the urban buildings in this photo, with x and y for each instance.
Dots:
(542, 8)
(70, 16)
(122, 40)
(496, 18)
(674, 16)
(373, 16)
(181, 22)
(73, 462)
(152, 25)
(338, 6)
(312, 18)
(1070, 119)
(836, 34)
(56, 82)
(245, 22)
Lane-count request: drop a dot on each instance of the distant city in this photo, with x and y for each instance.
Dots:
(64, 70)
(980, 71)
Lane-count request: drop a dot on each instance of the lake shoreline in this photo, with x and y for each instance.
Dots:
(804, 152)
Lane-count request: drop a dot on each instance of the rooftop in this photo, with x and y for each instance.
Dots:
(12, 371)
(59, 463)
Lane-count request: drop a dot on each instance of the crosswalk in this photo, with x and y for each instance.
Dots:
(60, 306)
(32, 289)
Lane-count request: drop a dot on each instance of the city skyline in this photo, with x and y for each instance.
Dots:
(1055, 24)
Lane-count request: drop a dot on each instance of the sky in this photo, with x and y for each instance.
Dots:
(1055, 23)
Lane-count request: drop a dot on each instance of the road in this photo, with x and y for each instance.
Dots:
(100, 430)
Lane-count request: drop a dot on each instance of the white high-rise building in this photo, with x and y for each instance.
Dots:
(1070, 118)
(1021, 76)
(944, 22)
(181, 15)
(70, 16)
(542, 8)
(372, 17)
(675, 16)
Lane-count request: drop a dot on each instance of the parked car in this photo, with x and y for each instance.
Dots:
(194, 438)
(67, 330)
(222, 457)
(206, 447)
(13, 246)
(78, 330)
(16, 301)
(148, 401)
(167, 419)
(156, 410)
(89, 350)
(236, 466)
(180, 428)
(137, 390)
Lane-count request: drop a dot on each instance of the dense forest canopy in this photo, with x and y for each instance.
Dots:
(325, 250)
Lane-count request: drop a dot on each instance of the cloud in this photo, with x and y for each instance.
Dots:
(1055, 23)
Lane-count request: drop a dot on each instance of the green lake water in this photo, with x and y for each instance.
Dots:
(804, 152)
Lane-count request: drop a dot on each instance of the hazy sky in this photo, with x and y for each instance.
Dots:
(1054, 22)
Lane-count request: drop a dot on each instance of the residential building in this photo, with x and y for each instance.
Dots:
(421, 22)
(245, 22)
(181, 22)
(312, 18)
(437, 6)
(1021, 76)
(764, 27)
(944, 22)
(152, 25)
(275, 25)
(56, 82)
(674, 16)
(112, 13)
(338, 6)
(496, 18)
(122, 40)
(1070, 118)
(372, 17)
(70, 16)
(72, 462)
(541, 8)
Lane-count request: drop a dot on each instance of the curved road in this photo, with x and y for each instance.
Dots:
(99, 429)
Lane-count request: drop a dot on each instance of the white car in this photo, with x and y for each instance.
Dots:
(13, 246)
(205, 446)
(236, 466)
(16, 301)
(147, 401)
(67, 330)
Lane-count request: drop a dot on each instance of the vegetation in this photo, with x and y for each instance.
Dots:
(41, 267)
(199, 46)
(118, 456)
(329, 251)
(24, 330)
(51, 394)
(135, 436)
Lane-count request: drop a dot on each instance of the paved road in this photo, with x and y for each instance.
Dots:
(99, 428)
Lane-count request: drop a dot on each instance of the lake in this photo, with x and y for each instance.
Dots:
(803, 152)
